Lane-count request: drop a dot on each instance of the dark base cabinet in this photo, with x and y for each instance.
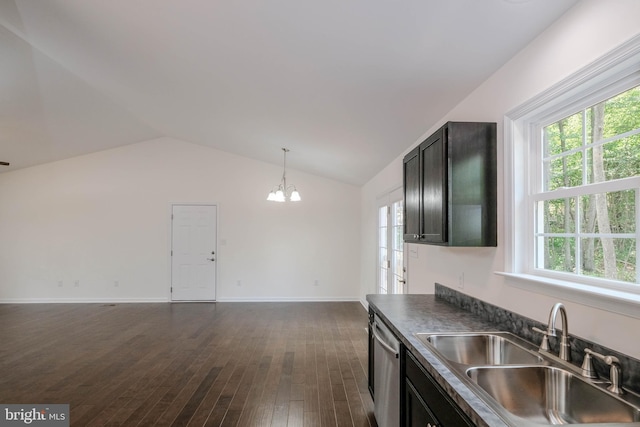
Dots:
(425, 403)
(417, 412)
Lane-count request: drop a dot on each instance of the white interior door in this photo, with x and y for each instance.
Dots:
(193, 252)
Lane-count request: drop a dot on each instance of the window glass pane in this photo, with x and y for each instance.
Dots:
(588, 124)
(382, 216)
(608, 213)
(609, 258)
(383, 281)
(397, 213)
(616, 159)
(383, 258)
(558, 253)
(588, 174)
(622, 113)
(382, 240)
(565, 171)
(559, 216)
(563, 135)
(397, 238)
(397, 262)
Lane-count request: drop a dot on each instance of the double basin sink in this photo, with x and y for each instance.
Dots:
(524, 386)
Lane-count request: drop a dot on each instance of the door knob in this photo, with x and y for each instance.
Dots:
(211, 259)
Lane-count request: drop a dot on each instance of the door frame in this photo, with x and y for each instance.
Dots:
(170, 248)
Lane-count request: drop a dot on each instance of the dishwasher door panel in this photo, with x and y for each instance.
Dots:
(386, 376)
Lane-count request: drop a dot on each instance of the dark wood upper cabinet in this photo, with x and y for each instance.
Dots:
(433, 162)
(412, 185)
(450, 187)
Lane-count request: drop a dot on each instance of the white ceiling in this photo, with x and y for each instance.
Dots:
(346, 85)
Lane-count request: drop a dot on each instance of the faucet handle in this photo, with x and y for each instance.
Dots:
(588, 370)
(544, 345)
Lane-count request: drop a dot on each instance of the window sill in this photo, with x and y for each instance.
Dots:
(615, 301)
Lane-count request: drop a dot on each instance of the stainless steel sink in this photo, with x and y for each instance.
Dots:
(475, 349)
(526, 387)
(548, 395)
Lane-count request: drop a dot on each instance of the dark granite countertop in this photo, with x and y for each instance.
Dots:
(407, 315)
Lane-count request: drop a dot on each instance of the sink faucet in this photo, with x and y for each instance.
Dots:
(565, 347)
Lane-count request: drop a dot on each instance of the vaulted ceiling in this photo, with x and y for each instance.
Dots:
(346, 85)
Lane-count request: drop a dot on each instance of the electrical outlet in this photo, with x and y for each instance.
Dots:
(316, 283)
(60, 284)
(239, 283)
(76, 283)
(116, 283)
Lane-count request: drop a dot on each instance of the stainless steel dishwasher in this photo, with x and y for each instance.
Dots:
(386, 386)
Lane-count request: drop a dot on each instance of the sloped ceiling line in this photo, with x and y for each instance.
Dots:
(347, 86)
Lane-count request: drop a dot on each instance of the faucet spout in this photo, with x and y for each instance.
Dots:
(558, 307)
(565, 348)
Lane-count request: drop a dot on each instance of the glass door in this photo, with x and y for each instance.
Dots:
(391, 270)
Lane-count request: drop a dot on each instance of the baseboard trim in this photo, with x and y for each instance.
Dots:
(82, 300)
(165, 300)
(287, 299)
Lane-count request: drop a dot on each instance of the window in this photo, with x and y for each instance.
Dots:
(586, 204)
(572, 185)
(390, 247)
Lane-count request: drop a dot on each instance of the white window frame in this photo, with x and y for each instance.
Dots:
(613, 73)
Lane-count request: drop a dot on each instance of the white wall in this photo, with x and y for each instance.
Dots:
(105, 217)
(383, 183)
(583, 34)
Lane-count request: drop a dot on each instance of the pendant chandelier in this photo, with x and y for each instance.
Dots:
(282, 192)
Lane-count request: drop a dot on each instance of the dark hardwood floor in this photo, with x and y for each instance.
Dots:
(196, 364)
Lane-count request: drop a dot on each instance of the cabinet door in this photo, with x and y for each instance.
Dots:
(472, 184)
(417, 413)
(438, 404)
(412, 181)
(433, 162)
